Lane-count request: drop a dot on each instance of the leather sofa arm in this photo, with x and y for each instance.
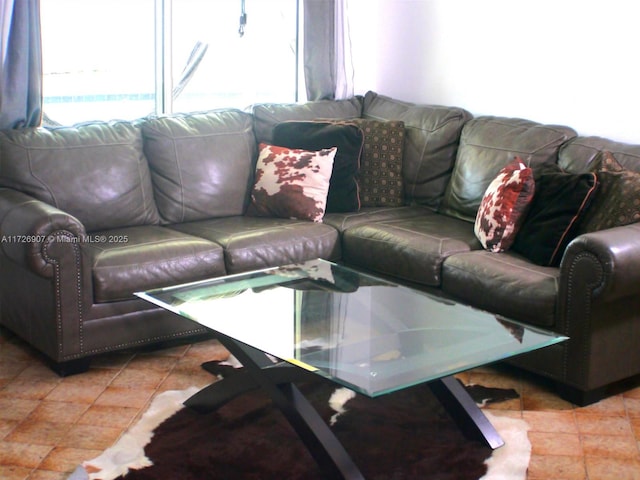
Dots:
(32, 232)
(608, 261)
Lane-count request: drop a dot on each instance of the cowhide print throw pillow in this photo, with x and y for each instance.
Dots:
(504, 206)
(291, 183)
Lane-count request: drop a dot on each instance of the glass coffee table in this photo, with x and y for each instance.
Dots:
(360, 331)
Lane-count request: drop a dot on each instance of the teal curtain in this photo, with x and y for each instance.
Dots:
(21, 64)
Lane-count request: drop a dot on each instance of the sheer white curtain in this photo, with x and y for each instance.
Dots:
(343, 59)
(328, 66)
(21, 64)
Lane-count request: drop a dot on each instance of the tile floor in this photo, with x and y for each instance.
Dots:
(48, 425)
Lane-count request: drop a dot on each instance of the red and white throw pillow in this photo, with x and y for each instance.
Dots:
(291, 183)
(504, 206)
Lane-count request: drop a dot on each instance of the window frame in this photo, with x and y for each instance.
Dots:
(165, 79)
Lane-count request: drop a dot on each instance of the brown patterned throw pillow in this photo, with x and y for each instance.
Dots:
(291, 183)
(617, 202)
(380, 176)
(504, 206)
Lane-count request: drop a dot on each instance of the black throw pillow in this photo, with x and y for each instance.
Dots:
(343, 187)
(560, 200)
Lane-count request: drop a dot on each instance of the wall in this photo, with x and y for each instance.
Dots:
(566, 62)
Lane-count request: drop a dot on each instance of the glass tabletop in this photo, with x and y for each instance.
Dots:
(369, 334)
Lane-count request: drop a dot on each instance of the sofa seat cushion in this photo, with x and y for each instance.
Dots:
(504, 283)
(410, 249)
(342, 221)
(252, 243)
(96, 172)
(202, 164)
(133, 259)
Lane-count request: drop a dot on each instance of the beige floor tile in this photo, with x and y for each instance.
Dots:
(562, 422)
(635, 426)
(16, 351)
(125, 397)
(6, 427)
(15, 408)
(181, 380)
(10, 368)
(39, 371)
(22, 454)
(63, 459)
(90, 437)
(12, 472)
(28, 389)
(48, 475)
(135, 379)
(610, 446)
(208, 350)
(108, 416)
(632, 393)
(188, 363)
(37, 433)
(78, 393)
(632, 405)
(553, 443)
(96, 377)
(155, 363)
(599, 468)
(176, 351)
(556, 467)
(612, 406)
(589, 423)
(58, 412)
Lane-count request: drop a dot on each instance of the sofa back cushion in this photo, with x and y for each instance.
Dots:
(96, 172)
(202, 163)
(267, 115)
(430, 145)
(487, 145)
(617, 166)
(578, 155)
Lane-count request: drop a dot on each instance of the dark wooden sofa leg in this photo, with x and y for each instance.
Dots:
(71, 367)
(582, 398)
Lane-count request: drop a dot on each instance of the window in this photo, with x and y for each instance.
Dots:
(104, 59)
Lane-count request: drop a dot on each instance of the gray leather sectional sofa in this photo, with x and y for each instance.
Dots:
(92, 213)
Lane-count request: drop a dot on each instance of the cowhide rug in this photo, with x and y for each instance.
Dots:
(404, 435)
